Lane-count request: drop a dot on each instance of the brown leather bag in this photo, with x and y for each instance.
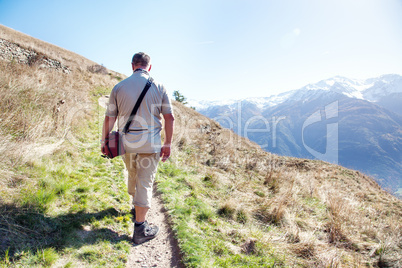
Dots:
(114, 145)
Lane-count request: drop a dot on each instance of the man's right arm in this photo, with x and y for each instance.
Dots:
(110, 118)
(107, 127)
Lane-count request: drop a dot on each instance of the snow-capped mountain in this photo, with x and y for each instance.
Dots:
(382, 87)
(260, 102)
(372, 89)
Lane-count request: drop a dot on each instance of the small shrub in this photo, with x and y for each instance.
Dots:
(249, 247)
(62, 187)
(89, 254)
(220, 248)
(259, 193)
(271, 212)
(210, 180)
(82, 189)
(38, 199)
(272, 180)
(205, 214)
(334, 230)
(304, 250)
(241, 216)
(6, 259)
(335, 225)
(97, 69)
(210, 162)
(251, 165)
(182, 142)
(46, 257)
(227, 210)
(68, 265)
(293, 234)
(208, 177)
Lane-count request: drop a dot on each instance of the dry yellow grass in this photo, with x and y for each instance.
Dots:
(39, 106)
(321, 215)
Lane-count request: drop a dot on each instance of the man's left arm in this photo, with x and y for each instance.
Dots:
(169, 124)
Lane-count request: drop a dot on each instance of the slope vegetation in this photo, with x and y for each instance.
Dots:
(231, 204)
(61, 204)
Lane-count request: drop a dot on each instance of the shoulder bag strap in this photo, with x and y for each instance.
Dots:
(137, 104)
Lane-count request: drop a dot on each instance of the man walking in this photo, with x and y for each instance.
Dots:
(142, 142)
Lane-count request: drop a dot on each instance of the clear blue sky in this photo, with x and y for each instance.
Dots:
(219, 49)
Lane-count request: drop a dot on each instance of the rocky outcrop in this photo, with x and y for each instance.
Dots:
(13, 52)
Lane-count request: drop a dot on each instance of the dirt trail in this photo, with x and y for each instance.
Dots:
(161, 251)
(37, 150)
(103, 101)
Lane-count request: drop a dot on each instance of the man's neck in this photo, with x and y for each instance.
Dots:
(140, 70)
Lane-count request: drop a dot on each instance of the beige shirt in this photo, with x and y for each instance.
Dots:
(144, 131)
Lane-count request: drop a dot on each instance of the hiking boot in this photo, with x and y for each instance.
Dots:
(133, 214)
(144, 232)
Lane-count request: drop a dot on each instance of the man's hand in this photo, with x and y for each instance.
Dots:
(165, 152)
(107, 127)
(103, 147)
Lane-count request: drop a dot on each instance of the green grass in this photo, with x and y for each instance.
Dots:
(207, 233)
(72, 209)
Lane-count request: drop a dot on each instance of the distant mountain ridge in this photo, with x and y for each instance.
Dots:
(368, 121)
(372, 89)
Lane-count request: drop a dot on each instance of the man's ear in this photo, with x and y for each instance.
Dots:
(132, 66)
(150, 66)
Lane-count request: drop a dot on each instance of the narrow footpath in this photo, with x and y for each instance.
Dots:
(161, 251)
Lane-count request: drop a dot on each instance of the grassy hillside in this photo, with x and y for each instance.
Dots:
(230, 203)
(61, 204)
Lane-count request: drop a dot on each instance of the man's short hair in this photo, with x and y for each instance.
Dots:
(141, 59)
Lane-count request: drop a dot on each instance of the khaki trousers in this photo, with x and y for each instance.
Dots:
(141, 175)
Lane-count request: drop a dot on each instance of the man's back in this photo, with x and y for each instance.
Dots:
(144, 131)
